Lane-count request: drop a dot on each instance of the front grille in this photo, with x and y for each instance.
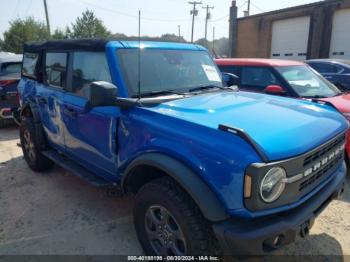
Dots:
(305, 173)
(324, 151)
(316, 177)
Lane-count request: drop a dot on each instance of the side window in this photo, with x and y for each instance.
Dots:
(258, 77)
(30, 65)
(56, 69)
(87, 68)
(325, 68)
(337, 69)
(11, 68)
(229, 69)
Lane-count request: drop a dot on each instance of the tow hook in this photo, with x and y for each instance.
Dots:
(305, 229)
(341, 191)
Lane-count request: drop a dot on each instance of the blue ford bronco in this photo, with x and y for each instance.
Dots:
(213, 170)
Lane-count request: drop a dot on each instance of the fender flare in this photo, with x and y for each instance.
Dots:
(39, 131)
(211, 207)
(34, 109)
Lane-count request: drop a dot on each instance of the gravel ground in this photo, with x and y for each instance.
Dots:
(57, 213)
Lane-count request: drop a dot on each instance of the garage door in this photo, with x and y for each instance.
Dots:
(290, 38)
(340, 43)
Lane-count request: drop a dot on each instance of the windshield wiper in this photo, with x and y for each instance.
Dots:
(316, 96)
(163, 92)
(207, 87)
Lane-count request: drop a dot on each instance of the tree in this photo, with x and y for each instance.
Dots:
(172, 38)
(204, 42)
(59, 35)
(119, 36)
(88, 26)
(221, 46)
(21, 31)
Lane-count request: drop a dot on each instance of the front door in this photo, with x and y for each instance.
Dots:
(256, 79)
(90, 136)
(50, 96)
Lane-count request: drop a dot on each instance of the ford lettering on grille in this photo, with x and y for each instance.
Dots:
(323, 162)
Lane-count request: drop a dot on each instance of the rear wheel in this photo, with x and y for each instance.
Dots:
(31, 147)
(168, 222)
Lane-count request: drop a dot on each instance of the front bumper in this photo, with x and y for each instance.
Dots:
(263, 235)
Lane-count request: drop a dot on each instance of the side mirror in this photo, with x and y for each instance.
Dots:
(230, 79)
(274, 90)
(100, 93)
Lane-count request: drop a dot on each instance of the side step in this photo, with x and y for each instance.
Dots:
(78, 170)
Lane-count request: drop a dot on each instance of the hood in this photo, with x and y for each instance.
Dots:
(341, 102)
(282, 127)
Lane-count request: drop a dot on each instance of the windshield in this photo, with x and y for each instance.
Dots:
(168, 70)
(307, 83)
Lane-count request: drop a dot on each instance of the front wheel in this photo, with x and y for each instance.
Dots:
(169, 223)
(31, 147)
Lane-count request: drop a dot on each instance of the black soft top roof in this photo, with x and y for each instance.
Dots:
(67, 45)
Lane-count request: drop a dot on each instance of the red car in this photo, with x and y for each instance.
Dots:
(10, 68)
(286, 78)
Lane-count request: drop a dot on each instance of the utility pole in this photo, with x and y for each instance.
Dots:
(194, 12)
(248, 10)
(207, 17)
(233, 29)
(47, 18)
(179, 30)
(214, 38)
(213, 49)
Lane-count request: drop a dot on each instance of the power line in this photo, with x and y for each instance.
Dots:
(219, 19)
(242, 5)
(131, 15)
(194, 13)
(16, 8)
(257, 7)
(29, 6)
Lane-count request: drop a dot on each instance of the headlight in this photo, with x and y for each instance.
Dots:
(273, 184)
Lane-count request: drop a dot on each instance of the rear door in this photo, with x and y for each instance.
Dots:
(49, 96)
(90, 136)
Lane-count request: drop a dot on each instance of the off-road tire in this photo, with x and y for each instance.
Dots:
(34, 158)
(197, 231)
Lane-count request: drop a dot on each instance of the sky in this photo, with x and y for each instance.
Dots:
(120, 16)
